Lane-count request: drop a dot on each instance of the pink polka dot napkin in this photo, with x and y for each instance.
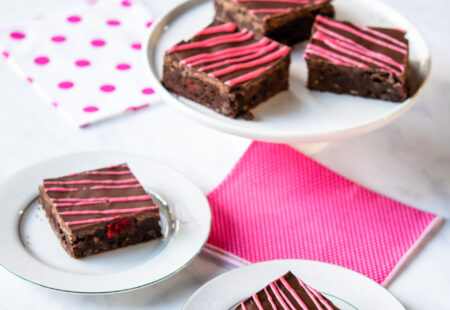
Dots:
(278, 204)
(85, 60)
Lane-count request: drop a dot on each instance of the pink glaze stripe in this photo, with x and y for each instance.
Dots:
(286, 1)
(227, 27)
(276, 292)
(108, 172)
(286, 299)
(363, 35)
(269, 298)
(257, 302)
(263, 60)
(345, 43)
(240, 36)
(243, 306)
(310, 294)
(198, 59)
(92, 221)
(112, 211)
(260, 52)
(225, 53)
(246, 77)
(338, 58)
(114, 187)
(116, 199)
(338, 46)
(293, 293)
(61, 189)
(93, 182)
(269, 11)
(320, 298)
(383, 35)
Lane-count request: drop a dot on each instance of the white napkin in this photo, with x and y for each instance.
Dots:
(85, 60)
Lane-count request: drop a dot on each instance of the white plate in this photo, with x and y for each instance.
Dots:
(297, 115)
(347, 289)
(30, 250)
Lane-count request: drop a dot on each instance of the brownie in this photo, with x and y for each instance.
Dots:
(227, 69)
(287, 292)
(345, 58)
(287, 21)
(99, 210)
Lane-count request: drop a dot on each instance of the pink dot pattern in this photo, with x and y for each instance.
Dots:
(58, 38)
(82, 63)
(90, 109)
(113, 22)
(123, 66)
(279, 204)
(17, 35)
(107, 88)
(42, 60)
(98, 42)
(74, 19)
(89, 55)
(66, 85)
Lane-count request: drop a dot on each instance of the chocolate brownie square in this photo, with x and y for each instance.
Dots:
(287, 292)
(345, 58)
(99, 210)
(286, 21)
(227, 69)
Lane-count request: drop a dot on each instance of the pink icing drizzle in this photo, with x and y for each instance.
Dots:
(225, 53)
(259, 52)
(60, 189)
(114, 187)
(313, 298)
(276, 292)
(246, 77)
(286, 299)
(337, 58)
(112, 211)
(240, 36)
(109, 172)
(267, 10)
(69, 202)
(243, 306)
(322, 300)
(344, 44)
(91, 221)
(270, 299)
(257, 302)
(360, 34)
(93, 181)
(263, 60)
(286, 1)
(227, 27)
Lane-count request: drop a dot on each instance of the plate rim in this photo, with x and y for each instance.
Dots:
(293, 261)
(254, 133)
(18, 219)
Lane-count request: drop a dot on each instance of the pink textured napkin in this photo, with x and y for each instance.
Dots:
(277, 204)
(84, 59)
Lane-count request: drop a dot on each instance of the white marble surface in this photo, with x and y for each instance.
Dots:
(408, 160)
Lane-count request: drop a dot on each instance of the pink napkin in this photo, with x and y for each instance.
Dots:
(85, 59)
(277, 204)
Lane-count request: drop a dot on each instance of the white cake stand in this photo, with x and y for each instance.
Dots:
(308, 120)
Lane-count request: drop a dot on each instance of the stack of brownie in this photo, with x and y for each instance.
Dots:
(242, 58)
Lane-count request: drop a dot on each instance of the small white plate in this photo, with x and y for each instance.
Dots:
(30, 250)
(298, 115)
(347, 289)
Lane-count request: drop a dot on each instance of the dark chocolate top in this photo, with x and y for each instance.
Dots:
(287, 293)
(265, 8)
(233, 56)
(86, 199)
(347, 44)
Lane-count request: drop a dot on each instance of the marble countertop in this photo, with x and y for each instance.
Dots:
(409, 160)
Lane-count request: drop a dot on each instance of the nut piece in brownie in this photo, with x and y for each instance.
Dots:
(362, 61)
(287, 292)
(227, 69)
(286, 21)
(99, 210)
